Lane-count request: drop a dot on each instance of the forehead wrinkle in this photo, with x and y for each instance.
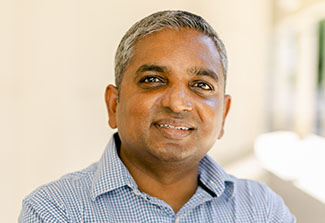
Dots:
(200, 71)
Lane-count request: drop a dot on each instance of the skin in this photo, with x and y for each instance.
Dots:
(171, 110)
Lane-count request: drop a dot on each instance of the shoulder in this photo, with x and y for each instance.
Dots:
(251, 188)
(53, 201)
(264, 202)
(249, 198)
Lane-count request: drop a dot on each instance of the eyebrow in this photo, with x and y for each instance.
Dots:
(151, 67)
(204, 72)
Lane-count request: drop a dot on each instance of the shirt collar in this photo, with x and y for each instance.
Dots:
(215, 179)
(111, 174)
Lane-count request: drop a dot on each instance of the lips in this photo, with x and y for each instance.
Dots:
(174, 128)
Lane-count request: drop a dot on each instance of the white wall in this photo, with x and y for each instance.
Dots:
(56, 59)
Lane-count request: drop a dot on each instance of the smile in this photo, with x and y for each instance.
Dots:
(174, 127)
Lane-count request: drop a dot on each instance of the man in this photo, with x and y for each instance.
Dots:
(169, 106)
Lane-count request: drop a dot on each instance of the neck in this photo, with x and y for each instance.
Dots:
(174, 183)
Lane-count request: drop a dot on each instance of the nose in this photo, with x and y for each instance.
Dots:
(177, 98)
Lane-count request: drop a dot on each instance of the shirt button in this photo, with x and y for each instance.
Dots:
(177, 220)
(136, 192)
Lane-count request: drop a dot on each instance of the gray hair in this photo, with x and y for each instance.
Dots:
(156, 22)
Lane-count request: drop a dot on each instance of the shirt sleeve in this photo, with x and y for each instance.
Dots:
(278, 212)
(39, 207)
(28, 214)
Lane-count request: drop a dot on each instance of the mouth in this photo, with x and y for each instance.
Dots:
(174, 128)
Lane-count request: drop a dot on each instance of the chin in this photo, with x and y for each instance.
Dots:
(173, 153)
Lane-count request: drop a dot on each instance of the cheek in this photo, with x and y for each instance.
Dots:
(213, 104)
(211, 111)
(136, 109)
(211, 107)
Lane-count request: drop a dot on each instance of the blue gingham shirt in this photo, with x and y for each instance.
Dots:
(106, 192)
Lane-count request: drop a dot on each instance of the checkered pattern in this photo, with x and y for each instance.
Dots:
(106, 192)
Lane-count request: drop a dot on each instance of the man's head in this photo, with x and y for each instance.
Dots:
(156, 22)
(172, 104)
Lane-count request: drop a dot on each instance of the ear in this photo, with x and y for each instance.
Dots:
(225, 113)
(111, 95)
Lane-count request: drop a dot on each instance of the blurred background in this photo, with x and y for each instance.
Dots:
(57, 58)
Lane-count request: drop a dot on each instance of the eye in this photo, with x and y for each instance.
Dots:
(203, 86)
(150, 79)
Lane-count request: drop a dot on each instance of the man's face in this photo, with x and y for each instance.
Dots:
(172, 105)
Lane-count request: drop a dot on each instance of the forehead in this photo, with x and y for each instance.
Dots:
(182, 46)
